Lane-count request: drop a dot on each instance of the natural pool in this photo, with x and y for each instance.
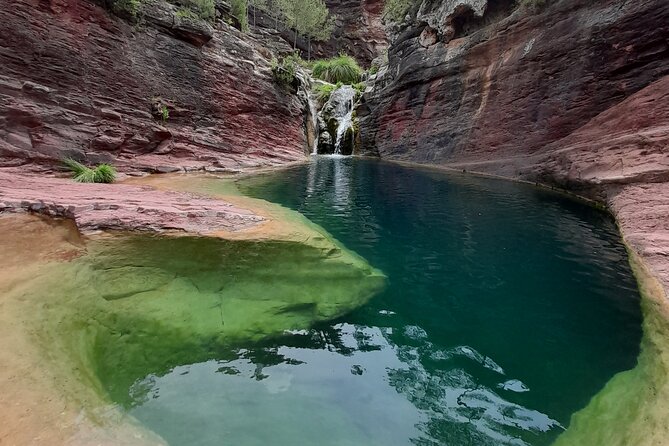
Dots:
(506, 309)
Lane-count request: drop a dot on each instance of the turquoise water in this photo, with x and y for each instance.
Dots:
(507, 308)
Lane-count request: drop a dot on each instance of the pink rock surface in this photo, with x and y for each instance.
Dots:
(642, 211)
(120, 206)
(79, 81)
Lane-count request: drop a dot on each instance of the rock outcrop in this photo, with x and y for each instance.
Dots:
(575, 95)
(164, 94)
(520, 87)
(358, 31)
(120, 206)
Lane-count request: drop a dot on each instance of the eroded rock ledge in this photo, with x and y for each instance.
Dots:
(121, 206)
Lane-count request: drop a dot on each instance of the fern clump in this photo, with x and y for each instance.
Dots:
(342, 69)
(103, 173)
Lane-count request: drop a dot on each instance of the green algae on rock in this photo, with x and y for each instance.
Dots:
(632, 408)
(136, 305)
(97, 316)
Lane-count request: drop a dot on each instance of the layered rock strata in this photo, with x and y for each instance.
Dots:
(575, 95)
(163, 94)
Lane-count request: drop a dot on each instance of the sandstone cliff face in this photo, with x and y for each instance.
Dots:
(358, 30)
(524, 94)
(576, 96)
(78, 81)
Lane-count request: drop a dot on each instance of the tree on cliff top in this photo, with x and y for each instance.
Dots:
(310, 18)
(318, 23)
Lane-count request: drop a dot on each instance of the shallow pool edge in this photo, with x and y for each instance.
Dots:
(633, 407)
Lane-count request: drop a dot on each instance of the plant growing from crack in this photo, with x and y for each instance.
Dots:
(284, 70)
(164, 113)
(102, 173)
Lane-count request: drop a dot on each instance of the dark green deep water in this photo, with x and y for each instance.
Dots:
(507, 308)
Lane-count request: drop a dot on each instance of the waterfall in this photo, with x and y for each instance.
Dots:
(345, 114)
(334, 120)
(314, 123)
(345, 123)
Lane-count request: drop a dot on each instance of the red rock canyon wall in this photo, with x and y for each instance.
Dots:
(576, 95)
(78, 81)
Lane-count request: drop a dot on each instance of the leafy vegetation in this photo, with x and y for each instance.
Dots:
(128, 8)
(342, 69)
(310, 18)
(284, 69)
(239, 9)
(396, 10)
(205, 9)
(323, 92)
(164, 112)
(186, 13)
(359, 88)
(103, 173)
(192, 9)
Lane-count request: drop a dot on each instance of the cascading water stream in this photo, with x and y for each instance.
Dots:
(346, 120)
(314, 123)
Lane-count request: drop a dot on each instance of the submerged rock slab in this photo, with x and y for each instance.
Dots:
(632, 408)
(125, 307)
(186, 298)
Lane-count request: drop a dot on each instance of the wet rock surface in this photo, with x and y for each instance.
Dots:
(80, 82)
(337, 123)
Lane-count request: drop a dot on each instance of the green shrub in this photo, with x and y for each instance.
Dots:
(239, 10)
(284, 70)
(103, 173)
(204, 9)
(164, 113)
(396, 10)
(323, 92)
(186, 13)
(125, 7)
(359, 88)
(338, 69)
